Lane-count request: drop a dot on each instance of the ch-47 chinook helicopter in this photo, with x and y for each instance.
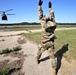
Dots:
(4, 15)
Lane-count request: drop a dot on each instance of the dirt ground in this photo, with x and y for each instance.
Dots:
(23, 62)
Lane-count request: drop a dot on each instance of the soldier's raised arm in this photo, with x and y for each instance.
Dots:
(51, 11)
(40, 11)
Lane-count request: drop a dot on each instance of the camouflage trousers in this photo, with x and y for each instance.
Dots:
(49, 46)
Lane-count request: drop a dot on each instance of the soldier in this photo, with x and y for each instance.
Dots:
(48, 27)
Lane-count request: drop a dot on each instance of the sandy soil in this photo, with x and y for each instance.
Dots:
(25, 58)
(23, 62)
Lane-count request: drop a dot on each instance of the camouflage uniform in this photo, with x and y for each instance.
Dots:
(48, 27)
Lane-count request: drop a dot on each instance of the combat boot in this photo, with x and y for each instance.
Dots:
(37, 61)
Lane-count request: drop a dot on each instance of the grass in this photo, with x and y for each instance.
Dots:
(35, 37)
(8, 71)
(7, 50)
(30, 27)
(63, 37)
(5, 71)
(66, 26)
(18, 29)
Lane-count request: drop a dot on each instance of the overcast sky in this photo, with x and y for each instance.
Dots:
(27, 10)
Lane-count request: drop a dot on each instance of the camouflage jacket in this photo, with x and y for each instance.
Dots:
(48, 24)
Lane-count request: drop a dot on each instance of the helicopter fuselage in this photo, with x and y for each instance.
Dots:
(4, 17)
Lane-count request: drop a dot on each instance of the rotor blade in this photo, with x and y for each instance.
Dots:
(10, 14)
(8, 10)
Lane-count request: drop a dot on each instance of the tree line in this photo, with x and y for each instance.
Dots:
(35, 23)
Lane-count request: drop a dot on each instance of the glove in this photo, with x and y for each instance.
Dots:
(40, 2)
(49, 4)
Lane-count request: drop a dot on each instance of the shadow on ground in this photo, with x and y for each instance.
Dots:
(59, 55)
